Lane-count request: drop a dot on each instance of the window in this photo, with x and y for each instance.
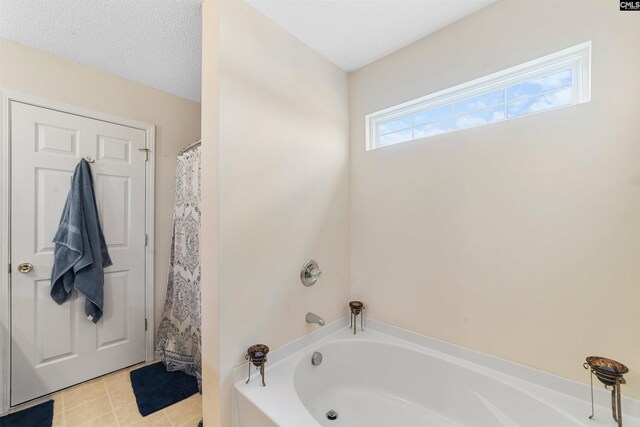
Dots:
(553, 81)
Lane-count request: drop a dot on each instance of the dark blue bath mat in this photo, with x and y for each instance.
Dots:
(156, 388)
(37, 416)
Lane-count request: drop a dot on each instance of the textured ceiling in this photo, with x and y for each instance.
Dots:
(153, 42)
(157, 42)
(354, 33)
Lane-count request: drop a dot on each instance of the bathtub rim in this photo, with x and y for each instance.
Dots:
(562, 385)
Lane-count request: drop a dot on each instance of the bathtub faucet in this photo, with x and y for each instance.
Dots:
(314, 318)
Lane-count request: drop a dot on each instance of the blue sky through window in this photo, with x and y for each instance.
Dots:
(433, 114)
(559, 80)
(539, 85)
(481, 117)
(480, 102)
(547, 101)
(396, 137)
(435, 128)
(529, 97)
(395, 125)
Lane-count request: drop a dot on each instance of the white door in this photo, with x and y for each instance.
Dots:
(55, 346)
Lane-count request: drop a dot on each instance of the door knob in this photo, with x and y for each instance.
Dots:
(25, 267)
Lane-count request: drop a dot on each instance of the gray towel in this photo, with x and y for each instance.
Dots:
(81, 253)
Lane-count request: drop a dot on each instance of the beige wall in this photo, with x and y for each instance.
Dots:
(518, 239)
(209, 282)
(33, 72)
(284, 186)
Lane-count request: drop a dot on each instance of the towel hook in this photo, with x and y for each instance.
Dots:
(90, 159)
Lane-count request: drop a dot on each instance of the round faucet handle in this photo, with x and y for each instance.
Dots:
(310, 273)
(315, 273)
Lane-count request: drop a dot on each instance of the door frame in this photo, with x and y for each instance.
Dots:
(6, 97)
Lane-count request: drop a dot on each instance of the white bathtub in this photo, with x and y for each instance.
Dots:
(376, 379)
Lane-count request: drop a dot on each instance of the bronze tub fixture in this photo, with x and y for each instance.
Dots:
(356, 308)
(611, 374)
(257, 355)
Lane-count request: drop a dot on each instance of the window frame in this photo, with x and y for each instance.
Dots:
(577, 58)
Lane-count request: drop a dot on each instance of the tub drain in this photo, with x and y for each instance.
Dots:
(332, 415)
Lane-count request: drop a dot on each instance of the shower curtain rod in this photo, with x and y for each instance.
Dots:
(190, 147)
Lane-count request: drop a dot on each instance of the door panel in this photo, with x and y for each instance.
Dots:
(52, 320)
(55, 346)
(51, 187)
(112, 195)
(113, 330)
(57, 140)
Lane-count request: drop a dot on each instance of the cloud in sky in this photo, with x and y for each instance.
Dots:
(551, 100)
(433, 114)
(480, 102)
(534, 104)
(480, 118)
(542, 84)
(529, 97)
(395, 125)
(436, 128)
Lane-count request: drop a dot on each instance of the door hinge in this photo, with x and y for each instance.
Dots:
(146, 153)
(9, 268)
(146, 240)
(145, 324)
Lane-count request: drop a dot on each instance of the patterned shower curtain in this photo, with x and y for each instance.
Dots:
(178, 340)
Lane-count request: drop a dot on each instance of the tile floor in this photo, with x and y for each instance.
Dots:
(109, 401)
